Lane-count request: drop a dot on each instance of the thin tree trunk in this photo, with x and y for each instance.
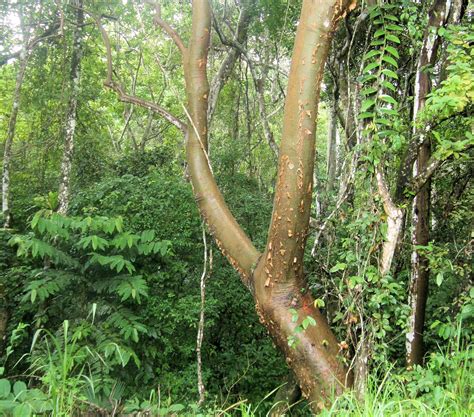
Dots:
(200, 334)
(394, 224)
(331, 149)
(7, 153)
(229, 61)
(71, 117)
(418, 289)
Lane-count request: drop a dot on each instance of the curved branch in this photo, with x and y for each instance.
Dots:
(229, 236)
(229, 61)
(157, 19)
(127, 98)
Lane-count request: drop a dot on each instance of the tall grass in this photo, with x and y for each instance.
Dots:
(444, 388)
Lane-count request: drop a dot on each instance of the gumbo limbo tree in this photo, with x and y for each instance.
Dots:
(274, 277)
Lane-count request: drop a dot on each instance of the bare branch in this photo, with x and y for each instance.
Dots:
(157, 19)
(126, 98)
(229, 61)
(238, 48)
(433, 164)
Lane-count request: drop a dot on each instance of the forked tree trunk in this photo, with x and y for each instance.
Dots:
(7, 152)
(276, 278)
(71, 117)
(418, 289)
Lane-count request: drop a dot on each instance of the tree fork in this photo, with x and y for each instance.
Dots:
(275, 278)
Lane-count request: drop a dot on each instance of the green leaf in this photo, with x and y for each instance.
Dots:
(22, 410)
(147, 236)
(389, 85)
(388, 99)
(311, 320)
(319, 303)
(390, 73)
(370, 67)
(392, 38)
(368, 91)
(377, 42)
(5, 388)
(383, 121)
(439, 278)
(372, 53)
(396, 28)
(367, 104)
(366, 115)
(390, 60)
(391, 17)
(379, 32)
(19, 388)
(390, 49)
(340, 266)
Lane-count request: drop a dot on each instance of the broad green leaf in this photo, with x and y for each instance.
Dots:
(391, 17)
(390, 73)
(340, 266)
(370, 67)
(19, 387)
(392, 38)
(22, 410)
(372, 53)
(394, 27)
(366, 115)
(367, 104)
(5, 388)
(379, 32)
(389, 85)
(390, 60)
(390, 49)
(387, 99)
(377, 42)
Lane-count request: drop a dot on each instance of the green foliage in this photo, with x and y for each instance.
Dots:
(456, 92)
(17, 400)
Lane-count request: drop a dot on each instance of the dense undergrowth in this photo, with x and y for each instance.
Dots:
(111, 326)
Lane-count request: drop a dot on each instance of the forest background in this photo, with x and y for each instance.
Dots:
(114, 296)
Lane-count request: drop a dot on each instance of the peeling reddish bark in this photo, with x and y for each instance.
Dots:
(278, 281)
(275, 278)
(280, 284)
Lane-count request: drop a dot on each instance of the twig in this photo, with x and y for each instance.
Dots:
(126, 98)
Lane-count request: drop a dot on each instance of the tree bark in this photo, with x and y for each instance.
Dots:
(275, 278)
(229, 61)
(279, 281)
(71, 117)
(332, 141)
(418, 289)
(7, 153)
(394, 224)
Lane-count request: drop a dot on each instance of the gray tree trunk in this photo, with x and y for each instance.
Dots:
(71, 117)
(7, 153)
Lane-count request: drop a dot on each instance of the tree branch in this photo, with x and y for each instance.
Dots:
(229, 61)
(126, 98)
(157, 19)
(417, 183)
